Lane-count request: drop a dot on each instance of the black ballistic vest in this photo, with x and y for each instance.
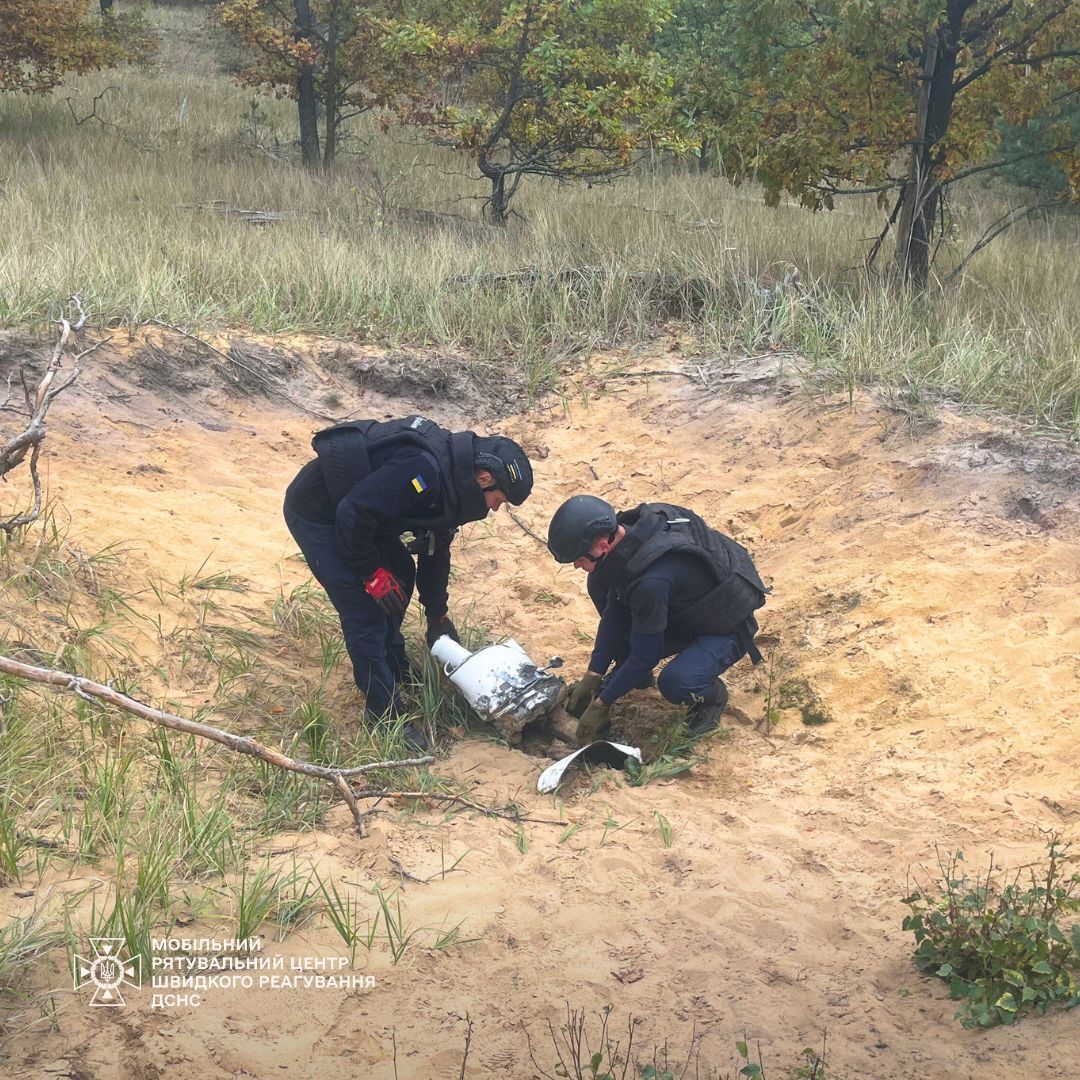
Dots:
(345, 452)
(655, 530)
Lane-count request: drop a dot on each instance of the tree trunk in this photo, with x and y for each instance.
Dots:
(908, 248)
(922, 191)
(499, 202)
(703, 156)
(920, 238)
(330, 93)
(306, 101)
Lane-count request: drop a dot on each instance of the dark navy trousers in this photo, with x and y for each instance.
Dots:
(692, 674)
(372, 638)
(697, 662)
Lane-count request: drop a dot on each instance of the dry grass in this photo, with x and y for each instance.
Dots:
(152, 823)
(120, 214)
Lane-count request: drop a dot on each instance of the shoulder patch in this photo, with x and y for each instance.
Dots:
(419, 484)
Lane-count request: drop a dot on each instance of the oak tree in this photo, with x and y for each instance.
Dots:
(324, 53)
(566, 89)
(705, 92)
(900, 99)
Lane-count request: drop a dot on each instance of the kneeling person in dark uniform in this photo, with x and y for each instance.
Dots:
(347, 509)
(665, 584)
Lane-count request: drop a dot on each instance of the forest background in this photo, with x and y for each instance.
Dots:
(887, 189)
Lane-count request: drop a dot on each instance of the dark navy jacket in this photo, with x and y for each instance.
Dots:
(404, 483)
(648, 619)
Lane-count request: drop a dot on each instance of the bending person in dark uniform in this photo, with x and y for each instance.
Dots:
(347, 510)
(665, 584)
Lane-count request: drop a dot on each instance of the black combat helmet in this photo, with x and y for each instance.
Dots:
(576, 524)
(507, 462)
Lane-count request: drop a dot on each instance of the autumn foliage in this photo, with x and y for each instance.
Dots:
(325, 51)
(898, 99)
(534, 87)
(44, 40)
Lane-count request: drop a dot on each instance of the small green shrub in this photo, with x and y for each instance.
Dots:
(811, 1067)
(1000, 947)
(799, 694)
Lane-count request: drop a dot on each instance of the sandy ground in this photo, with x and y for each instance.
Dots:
(925, 587)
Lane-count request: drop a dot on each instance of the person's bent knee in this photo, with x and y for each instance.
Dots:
(672, 688)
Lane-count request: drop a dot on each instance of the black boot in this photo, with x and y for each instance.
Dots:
(412, 734)
(410, 676)
(415, 739)
(704, 716)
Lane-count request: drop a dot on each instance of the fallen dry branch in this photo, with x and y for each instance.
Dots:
(231, 358)
(509, 813)
(525, 528)
(252, 217)
(664, 291)
(435, 218)
(648, 374)
(14, 451)
(241, 744)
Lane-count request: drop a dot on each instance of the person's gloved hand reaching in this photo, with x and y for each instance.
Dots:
(594, 722)
(438, 627)
(580, 694)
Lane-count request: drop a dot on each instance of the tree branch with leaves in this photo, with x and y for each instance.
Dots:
(537, 88)
(835, 93)
(44, 41)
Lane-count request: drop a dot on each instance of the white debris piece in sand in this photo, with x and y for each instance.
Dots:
(552, 776)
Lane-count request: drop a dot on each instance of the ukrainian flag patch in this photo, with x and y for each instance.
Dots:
(419, 484)
(512, 469)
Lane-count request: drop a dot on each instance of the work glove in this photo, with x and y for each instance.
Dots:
(594, 722)
(387, 592)
(436, 628)
(581, 693)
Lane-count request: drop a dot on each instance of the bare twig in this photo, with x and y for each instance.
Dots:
(93, 115)
(404, 874)
(76, 303)
(468, 1040)
(14, 451)
(873, 253)
(525, 528)
(649, 374)
(241, 744)
(350, 802)
(1007, 220)
(7, 396)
